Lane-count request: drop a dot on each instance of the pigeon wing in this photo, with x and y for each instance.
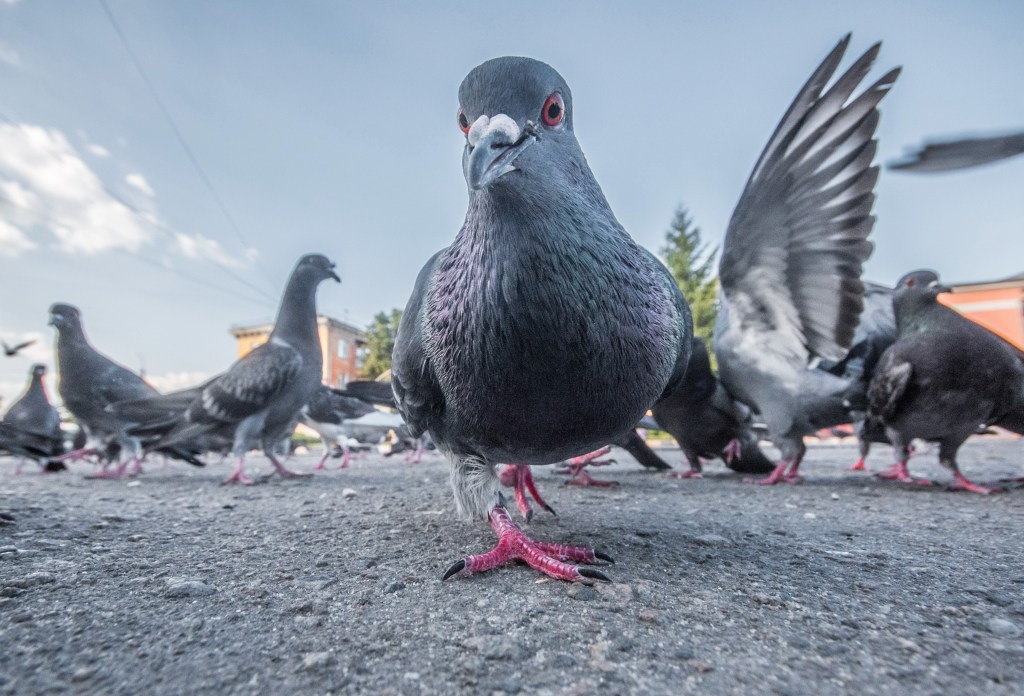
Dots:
(417, 392)
(797, 240)
(962, 153)
(249, 386)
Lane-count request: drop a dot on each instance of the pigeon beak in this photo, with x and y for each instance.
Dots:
(335, 276)
(939, 287)
(493, 144)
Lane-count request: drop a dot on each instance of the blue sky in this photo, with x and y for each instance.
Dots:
(330, 127)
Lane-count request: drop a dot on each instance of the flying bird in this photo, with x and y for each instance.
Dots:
(32, 425)
(790, 289)
(88, 382)
(11, 351)
(943, 378)
(258, 401)
(542, 305)
(950, 154)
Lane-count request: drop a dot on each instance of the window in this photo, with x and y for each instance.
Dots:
(342, 348)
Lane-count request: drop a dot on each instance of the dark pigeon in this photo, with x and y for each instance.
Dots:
(32, 424)
(11, 351)
(258, 401)
(88, 382)
(327, 413)
(960, 153)
(708, 423)
(943, 378)
(542, 305)
(876, 331)
(791, 263)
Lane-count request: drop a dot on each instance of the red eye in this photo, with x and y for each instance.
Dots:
(909, 282)
(463, 122)
(554, 110)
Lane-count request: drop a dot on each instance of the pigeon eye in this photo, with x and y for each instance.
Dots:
(910, 282)
(554, 110)
(463, 122)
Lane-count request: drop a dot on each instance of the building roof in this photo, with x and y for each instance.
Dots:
(1014, 281)
(239, 330)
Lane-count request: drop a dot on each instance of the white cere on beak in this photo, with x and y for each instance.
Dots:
(499, 123)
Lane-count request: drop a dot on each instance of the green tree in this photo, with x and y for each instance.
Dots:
(692, 262)
(380, 342)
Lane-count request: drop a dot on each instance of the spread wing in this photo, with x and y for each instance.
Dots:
(797, 240)
(960, 153)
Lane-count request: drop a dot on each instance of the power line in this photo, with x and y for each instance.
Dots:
(178, 134)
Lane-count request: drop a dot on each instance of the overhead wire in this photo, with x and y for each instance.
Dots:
(189, 153)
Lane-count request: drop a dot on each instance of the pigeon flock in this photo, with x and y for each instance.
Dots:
(544, 333)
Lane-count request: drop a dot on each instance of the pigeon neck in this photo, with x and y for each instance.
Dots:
(296, 317)
(37, 387)
(916, 313)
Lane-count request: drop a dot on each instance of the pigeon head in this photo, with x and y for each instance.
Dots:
(915, 293)
(38, 371)
(316, 267)
(65, 316)
(517, 116)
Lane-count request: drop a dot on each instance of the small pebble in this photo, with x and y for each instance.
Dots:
(182, 587)
(394, 587)
(348, 493)
(1004, 628)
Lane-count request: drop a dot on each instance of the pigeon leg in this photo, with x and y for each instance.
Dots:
(320, 465)
(136, 466)
(513, 544)
(520, 477)
(780, 473)
(733, 450)
(346, 456)
(859, 466)
(899, 472)
(575, 468)
(77, 455)
(238, 475)
(696, 466)
(284, 472)
(947, 457)
(106, 473)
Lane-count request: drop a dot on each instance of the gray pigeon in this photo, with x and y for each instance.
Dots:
(328, 413)
(544, 331)
(33, 424)
(960, 153)
(88, 382)
(259, 399)
(942, 378)
(790, 269)
(708, 423)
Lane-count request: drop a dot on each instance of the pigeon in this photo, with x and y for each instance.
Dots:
(11, 351)
(33, 424)
(708, 423)
(543, 306)
(327, 413)
(875, 332)
(960, 153)
(258, 401)
(88, 382)
(790, 289)
(942, 378)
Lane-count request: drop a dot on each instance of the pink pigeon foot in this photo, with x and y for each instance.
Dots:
(576, 466)
(238, 475)
(106, 473)
(688, 474)
(898, 472)
(320, 465)
(283, 471)
(513, 544)
(859, 466)
(520, 477)
(733, 450)
(780, 474)
(960, 483)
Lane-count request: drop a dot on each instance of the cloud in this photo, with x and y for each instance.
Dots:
(13, 241)
(137, 181)
(9, 55)
(57, 191)
(175, 381)
(196, 246)
(97, 150)
(9, 3)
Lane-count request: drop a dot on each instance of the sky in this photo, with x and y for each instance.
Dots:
(331, 127)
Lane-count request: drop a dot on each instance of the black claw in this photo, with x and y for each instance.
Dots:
(601, 555)
(550, 509)
(456, 567)
(593, 574)
(529, 515)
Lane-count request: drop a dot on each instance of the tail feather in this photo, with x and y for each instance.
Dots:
(635, 445)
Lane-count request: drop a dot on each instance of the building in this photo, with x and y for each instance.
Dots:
(998, 305)
(341, 344)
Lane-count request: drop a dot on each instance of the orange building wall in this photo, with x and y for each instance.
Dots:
(337, 370)
(1000, 310)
